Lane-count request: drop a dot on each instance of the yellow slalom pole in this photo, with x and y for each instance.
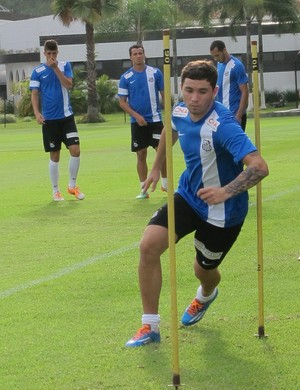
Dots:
(171, 222)
(255, 69)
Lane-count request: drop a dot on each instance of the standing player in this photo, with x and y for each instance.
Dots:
(139, 91)
(232, 82)
(211, 199)
(51, 81)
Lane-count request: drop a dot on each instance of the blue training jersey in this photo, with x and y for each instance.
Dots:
(213, 149)
(54, 97)
(230, 76)
(142, 91)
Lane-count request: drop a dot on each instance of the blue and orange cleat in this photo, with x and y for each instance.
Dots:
(196, 310)
(144, 336)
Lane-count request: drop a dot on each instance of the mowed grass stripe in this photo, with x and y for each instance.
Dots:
(74, 267)
(66, 271)
(69, 333)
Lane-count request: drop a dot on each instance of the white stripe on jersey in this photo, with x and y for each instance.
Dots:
(152, 95)
(65, 95)
(123, 91)
(209, 168)
(34, 84)
(65, 92)
(226, 83)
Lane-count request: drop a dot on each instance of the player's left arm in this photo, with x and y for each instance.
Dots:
(243, 101)
(256, 170)
(162, 94)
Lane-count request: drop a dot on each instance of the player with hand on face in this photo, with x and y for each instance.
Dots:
(50, 82)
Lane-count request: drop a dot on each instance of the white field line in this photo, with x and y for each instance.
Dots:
(75, 267)
(65, 271)
(277, 195)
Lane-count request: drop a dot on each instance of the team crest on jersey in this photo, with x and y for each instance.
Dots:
(180, 112)
(206, 145)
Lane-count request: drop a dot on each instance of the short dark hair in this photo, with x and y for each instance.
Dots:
(200, 70)
(51, 45)
(220, 45)
(136, 46)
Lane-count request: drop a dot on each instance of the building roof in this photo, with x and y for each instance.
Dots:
(3, 9)
(6, 14)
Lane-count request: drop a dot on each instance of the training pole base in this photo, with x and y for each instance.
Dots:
(176, 382)
(261, 333)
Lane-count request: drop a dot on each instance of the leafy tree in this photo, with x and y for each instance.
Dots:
(136, 16)
(78, 94)
(21, 91)
(107, 90)
(139, 16)
(89, 12)
(32, 7)
(286, 14)
(177, 13)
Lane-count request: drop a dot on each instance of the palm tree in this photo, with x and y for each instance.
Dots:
(89, 12)
(286, 14)
(141, 15)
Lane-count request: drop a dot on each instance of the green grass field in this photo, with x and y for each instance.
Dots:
(69, 297)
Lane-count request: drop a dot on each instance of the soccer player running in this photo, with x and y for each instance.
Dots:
(52, 81)
(211, 199)
(139, 90)
(232, 81)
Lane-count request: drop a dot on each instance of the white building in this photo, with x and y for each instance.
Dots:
(20, 45)
(21, 48)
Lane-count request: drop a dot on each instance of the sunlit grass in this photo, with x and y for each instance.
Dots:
(69, 297)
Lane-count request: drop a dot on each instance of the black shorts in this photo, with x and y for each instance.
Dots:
(144, 136)
(212, 243)
(56, 131)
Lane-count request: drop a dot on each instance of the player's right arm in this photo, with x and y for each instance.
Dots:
(126, 107)
(160, 158)
(35, 101)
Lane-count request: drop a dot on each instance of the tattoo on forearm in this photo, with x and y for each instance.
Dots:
(247, 179)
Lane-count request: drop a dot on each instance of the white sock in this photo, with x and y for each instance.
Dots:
(73, 170)
(141, 184)
(151, 319)
(164, 182)
(202, 298)
(54, 175)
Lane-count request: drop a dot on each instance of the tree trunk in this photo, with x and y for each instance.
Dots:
(175, 66)
(249, 61)
(139, 32)
(260, 59)
(93, 111)
(249, 57)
